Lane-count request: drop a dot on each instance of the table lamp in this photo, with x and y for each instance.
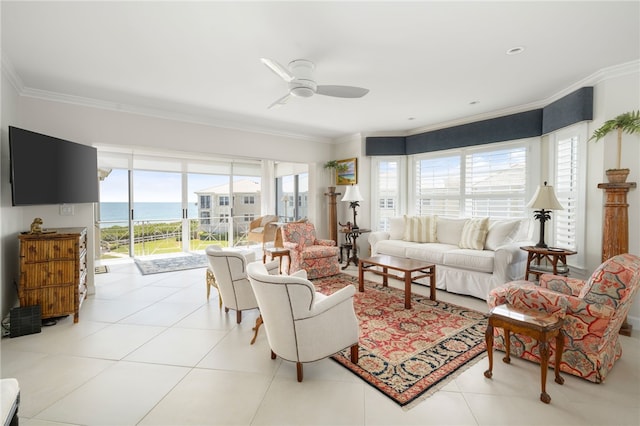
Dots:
(353, 196)
(544, 200)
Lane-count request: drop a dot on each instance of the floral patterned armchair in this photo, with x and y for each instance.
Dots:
(318, 257)
(593, 312)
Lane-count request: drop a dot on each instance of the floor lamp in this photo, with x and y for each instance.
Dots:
(544, 200)
(353, 196)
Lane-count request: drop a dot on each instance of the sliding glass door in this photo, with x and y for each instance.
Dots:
(159, 206)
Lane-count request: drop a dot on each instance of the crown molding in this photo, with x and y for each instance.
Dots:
(200, 119)
(10, 72)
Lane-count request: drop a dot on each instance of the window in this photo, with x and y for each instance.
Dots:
(248, 217)
(205, 218)
(479, 181)
(438, 186)
(205, 201)
(387, 183)
(224, 217)
(292, 191)
(568, 153)
(223, 200)
(248, 199)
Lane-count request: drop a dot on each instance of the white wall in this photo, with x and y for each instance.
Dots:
(10, 218)
(353, 147)
(612, 97)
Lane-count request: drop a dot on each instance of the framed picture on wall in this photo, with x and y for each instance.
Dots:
(348, 176)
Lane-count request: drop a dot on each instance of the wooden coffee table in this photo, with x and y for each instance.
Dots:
(408, 266)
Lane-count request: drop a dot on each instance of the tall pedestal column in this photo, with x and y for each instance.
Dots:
(333, 214)
(615, 229)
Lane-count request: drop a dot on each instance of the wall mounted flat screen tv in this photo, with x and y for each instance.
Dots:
(48, 170)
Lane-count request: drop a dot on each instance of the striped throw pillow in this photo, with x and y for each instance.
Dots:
(420, 229)
(474, 233)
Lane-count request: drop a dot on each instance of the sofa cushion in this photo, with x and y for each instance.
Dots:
(474, 233)
(449, 231)
(394, 247)
(420, 229)
(501, 232)
(473, 260)
(434, 252)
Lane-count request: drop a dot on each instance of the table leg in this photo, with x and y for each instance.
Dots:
(360, 277)
(488, 337)
(544, 364)
(432, 284)
(407, 290)
(385, 277)
(507, 345)
(559, 350)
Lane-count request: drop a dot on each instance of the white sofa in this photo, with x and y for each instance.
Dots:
(472, 256)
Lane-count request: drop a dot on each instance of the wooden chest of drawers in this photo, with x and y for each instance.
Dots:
(53, 271)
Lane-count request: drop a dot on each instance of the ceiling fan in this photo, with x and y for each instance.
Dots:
(299, 75)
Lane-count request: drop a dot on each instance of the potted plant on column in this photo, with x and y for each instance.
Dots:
(337, 167)
(628, 122)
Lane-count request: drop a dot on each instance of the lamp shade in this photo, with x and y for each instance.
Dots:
(352, 194)
(545, 199)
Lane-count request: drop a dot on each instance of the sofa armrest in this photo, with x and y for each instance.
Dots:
(340, 296)
(528, 295)
(255, 223)
(509, 263)
(375, 237)
(565, 285)
(325, 242)
(273, 267)
(291, 246)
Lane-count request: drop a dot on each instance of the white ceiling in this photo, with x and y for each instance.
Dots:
(424, 60)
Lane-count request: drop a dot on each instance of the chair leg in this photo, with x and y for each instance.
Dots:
(226, 310)
(299, 370)
(273, 355)
(256, 328)
(238, 317)
(354, 353)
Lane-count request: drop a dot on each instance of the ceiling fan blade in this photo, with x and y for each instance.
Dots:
(283, 100)
(342, 91)
(280, 70)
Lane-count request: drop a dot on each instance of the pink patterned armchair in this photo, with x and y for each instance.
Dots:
(318, 257)
(593, 312)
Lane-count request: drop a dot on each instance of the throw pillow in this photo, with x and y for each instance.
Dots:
(420, 229)
(396, 228)
(501, 232)
(474, 233)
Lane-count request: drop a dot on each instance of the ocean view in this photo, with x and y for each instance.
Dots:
(118, 212)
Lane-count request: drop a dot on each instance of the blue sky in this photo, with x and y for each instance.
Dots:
(154, 186)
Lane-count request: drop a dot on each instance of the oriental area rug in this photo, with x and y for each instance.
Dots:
(170, 264)
(408, 354)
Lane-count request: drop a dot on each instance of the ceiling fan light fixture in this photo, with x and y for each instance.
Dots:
(302, 92)
(302, 84)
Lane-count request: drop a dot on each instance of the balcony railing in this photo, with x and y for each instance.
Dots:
(164, 236)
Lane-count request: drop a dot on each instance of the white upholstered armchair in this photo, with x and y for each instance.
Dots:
(301, 324)
(230, 272)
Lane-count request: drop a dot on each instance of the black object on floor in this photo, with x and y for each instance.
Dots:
(25, 320)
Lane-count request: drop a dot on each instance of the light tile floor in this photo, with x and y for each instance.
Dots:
(151, 350)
